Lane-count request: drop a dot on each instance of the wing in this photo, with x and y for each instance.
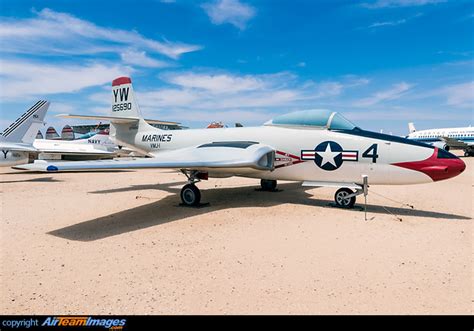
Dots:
(18, 147)
(75, 152)
(451, 142)
(205, 157)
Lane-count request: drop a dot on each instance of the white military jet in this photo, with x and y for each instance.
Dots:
(16, 142)
(316, 147)
(98, 146)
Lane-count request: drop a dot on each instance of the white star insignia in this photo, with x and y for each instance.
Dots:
(328, 156)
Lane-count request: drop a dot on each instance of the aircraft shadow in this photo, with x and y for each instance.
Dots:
(164, 187)
(33, 180)
(168, 210)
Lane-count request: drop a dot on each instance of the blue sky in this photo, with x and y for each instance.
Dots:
(382, 63)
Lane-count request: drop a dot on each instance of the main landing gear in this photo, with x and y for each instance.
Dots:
(268, 185)
(190, 194)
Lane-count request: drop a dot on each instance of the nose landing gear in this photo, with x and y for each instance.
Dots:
(345, 198)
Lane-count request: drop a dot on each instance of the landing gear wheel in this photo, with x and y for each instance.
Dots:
(268, 185)
(190, 195)
(341, 198)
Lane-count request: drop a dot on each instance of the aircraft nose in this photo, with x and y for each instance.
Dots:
(440, 165)
(444, 165)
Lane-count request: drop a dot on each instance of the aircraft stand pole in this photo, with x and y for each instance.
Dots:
(365, 179)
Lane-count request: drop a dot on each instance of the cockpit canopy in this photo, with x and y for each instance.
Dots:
(320, 118)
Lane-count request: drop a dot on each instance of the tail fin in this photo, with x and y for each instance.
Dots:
(123, 99)
(25, 128)
(51, 133)
(124, 105)
(411, 127)
(67, 133)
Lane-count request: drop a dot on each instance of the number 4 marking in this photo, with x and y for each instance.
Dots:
(372, 149)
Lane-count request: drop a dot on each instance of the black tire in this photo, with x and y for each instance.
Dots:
(268, 185)
(190, 195)
(446, 148)
(344, 202)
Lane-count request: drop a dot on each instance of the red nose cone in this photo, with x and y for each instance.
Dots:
(441, 165)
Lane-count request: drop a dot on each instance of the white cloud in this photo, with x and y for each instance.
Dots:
(58, 33)
(61, 108)
(355, 81)
(219, 91)
(229, 11)
(21, 79)
(399, 3)
(328, 89)
(217, 83)
(192, 92)
(141, 59)
(388, 23)
(460, 95)
(406, 115)
(393, 23)
(393, 93)
(227, 116)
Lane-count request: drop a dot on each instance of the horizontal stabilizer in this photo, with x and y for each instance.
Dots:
(115, 119)
(17, 147)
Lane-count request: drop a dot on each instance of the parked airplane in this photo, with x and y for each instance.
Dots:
(98, 146)
(16, 142)
(316, 147)
(447, 139)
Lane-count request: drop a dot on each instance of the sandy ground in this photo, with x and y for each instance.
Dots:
(117, 242)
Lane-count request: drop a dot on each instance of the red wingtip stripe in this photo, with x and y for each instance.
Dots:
(121, 80)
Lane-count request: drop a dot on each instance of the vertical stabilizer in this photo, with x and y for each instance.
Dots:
(51, 133)
(67, 133)
(124, 105)
(25, 128)
(123, 99)
(411, 127)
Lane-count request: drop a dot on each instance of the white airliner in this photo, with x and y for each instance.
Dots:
(16, 142)
(447, 139)
(316, 147)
